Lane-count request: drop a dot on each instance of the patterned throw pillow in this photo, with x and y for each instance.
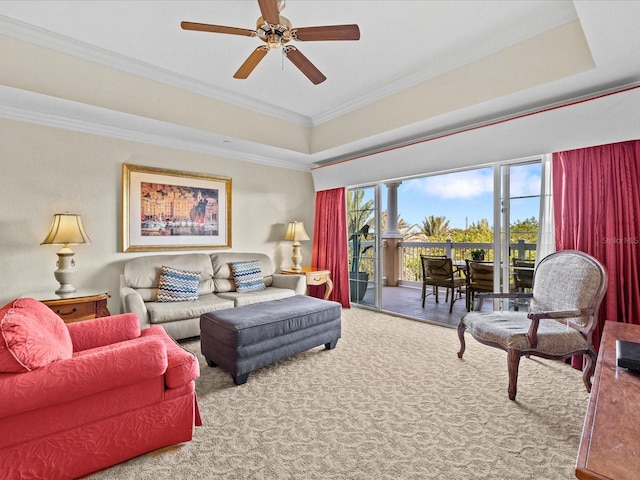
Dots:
(248, 276)
(177, 285)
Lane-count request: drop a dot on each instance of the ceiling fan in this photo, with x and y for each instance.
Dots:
(276, 31)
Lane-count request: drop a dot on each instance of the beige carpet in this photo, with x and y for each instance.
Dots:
(392, 401)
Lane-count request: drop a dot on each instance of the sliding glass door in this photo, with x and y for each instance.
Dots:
(490, 213)
(517, 235)
(363, 207)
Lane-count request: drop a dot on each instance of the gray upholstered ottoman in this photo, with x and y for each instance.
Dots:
(245, 338)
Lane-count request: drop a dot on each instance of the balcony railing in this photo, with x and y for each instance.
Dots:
(410, 271)
(458, 251)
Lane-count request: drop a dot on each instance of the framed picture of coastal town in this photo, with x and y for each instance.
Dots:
(173, 210)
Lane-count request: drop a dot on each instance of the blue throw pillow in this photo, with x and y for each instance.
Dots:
(177, 285)
(248, 276)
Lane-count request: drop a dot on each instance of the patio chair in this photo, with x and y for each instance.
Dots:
(568, 288)
(523, 274)
(479, 278)
(440, 272)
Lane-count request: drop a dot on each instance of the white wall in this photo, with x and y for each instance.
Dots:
(49, 170)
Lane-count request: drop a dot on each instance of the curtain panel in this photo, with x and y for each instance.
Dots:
(597, 209)
(329, 250)
(546, 232)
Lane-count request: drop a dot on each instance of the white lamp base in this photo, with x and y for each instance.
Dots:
(296, 257)
(65, 271)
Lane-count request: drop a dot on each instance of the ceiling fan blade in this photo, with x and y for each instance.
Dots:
(269, 10)
(205, 27)
(305, 66)
(251, 62)
(329, 32)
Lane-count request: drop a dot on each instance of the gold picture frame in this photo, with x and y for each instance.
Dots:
(174, 210)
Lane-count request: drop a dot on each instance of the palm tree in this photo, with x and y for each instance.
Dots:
(435, 227)
(403, 226)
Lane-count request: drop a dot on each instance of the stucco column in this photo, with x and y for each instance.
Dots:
(391, 238)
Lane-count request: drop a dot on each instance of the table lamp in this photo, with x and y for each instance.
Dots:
(296, 233)
(66, 229)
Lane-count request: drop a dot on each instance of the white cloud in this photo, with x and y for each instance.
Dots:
(467, 184)
(525, 180)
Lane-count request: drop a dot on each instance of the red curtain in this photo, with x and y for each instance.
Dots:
(597, 210)
(329, 251)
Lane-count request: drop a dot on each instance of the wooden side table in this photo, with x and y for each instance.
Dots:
(76, 306)
(609, 444)
(314, 277)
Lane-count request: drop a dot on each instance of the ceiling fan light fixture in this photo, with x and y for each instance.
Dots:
(274, 41)
(274, 35)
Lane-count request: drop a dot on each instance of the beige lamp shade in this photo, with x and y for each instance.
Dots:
(66, 229)
(296, 233)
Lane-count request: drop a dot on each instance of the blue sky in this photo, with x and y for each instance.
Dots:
(466, 197)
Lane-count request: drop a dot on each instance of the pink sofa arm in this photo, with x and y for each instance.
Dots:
(103, 331)
(183, 365)
(83, 375)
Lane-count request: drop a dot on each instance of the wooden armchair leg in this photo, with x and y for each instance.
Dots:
(461, 328)
(513, 362)
(589, 368)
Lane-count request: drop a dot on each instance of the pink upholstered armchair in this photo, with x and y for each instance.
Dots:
(81, 397)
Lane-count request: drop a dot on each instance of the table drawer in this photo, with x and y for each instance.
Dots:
(74, 312)
(317, 278)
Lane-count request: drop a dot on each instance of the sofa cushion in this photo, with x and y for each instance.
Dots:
(172, 311)
(177, 285)
(143, 273)
(222, 275)
(31, 336)
(247, 276)
(266, 295)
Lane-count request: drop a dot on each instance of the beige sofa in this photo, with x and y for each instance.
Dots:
(216, 289)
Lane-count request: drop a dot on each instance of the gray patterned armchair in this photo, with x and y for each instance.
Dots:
(568, 288)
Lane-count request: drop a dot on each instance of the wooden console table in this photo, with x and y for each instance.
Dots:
(314, 277)
(76, 306)
(610, 446)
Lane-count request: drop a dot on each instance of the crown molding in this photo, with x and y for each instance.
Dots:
(45, 38)
(21, 105)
